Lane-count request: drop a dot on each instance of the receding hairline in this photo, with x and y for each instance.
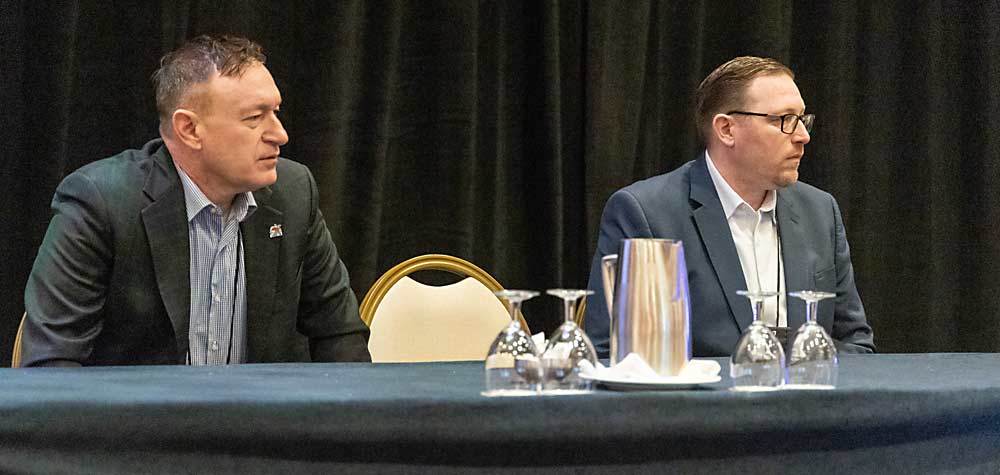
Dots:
(198, 92)
(789, 109)
(766, 74)
(183, 73)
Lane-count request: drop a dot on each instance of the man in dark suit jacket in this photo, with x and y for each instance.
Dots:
(112, 283)
(752, 119)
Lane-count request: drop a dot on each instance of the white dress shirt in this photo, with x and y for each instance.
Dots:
(756, 238)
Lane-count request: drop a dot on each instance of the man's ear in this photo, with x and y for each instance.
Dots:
(722, 127)
(185, 126)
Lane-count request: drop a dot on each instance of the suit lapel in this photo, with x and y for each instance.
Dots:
(793, 252)
(261, 259)
(165, 221)
(718, 239)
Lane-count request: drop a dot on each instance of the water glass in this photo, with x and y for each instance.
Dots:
(513, 367)
(758, 362)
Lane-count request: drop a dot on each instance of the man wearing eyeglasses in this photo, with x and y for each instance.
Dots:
(745, 220)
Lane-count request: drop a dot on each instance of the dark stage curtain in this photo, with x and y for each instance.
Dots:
(495, 131)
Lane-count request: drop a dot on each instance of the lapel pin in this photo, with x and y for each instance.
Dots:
(275, 231)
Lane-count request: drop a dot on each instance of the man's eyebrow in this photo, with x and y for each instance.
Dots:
(260, 107)
(792, 110)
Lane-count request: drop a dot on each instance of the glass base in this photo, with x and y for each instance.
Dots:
(565, 392)
(754, 389)
(524, 376)
(757, 374)
(509, 393)
(809, 387)
(813, 373)
(563, 375)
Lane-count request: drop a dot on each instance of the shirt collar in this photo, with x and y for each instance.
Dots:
(195, 201)
(731, 201)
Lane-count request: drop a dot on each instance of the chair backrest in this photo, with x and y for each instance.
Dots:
(15, 356)
(412, 322)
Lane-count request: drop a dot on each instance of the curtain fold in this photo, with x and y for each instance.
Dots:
(495, 131)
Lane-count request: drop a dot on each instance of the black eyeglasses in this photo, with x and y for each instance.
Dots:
(788, 121)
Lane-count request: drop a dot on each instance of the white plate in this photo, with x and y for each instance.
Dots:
(666, 383)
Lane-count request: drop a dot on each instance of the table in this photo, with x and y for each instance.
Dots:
(891, 413)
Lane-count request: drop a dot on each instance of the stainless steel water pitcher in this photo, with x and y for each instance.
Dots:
(646, 288)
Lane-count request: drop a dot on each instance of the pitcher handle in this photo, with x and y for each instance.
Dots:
(609, 267)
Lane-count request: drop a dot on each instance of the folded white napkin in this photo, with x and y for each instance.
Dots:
(633, 367)
(539, 339)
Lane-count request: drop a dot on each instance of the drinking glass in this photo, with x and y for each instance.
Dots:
(758, 362)
(512, 364)
(813, 360)
(568, 347)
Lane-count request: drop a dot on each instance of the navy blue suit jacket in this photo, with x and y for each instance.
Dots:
(683, 205)
(111, 283)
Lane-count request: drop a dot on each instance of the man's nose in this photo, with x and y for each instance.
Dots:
(801, 135)
(276, 133)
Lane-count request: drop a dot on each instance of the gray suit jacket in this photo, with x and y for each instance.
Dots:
(111, 282)
(683, 205)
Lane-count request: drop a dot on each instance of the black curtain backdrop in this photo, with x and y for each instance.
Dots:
(495, 131)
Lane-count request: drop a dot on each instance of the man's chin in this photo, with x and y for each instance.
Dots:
(266, 180)
(787, 180)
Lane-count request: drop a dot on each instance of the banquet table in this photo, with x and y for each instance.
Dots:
(891, 413)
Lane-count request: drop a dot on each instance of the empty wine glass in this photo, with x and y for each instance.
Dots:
(758, 362)
(568, 347)
(512, 364)
(812, 363)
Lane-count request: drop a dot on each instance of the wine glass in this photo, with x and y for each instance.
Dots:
(758, 362)
(568, 347)
(512, 364)
(813, 360)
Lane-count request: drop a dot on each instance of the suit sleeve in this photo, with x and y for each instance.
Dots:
(623, 218)
(65, 294)
(851, 332)
(328, 309)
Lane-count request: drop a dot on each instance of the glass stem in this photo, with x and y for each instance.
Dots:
(569, 308)
(811, 311)
(756, 307)
(515, 308)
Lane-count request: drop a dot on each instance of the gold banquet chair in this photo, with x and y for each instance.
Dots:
(415, 322)
(581, 312)
(15, 356)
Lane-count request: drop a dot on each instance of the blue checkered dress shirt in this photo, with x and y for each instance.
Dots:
(217, 328)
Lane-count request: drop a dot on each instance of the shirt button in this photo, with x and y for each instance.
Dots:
(216, 298)
(215, 345)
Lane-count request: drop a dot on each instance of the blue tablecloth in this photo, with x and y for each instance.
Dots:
(890, 413)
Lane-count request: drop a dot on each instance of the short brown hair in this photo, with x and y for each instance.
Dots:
(195, 61)
(723, 89)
